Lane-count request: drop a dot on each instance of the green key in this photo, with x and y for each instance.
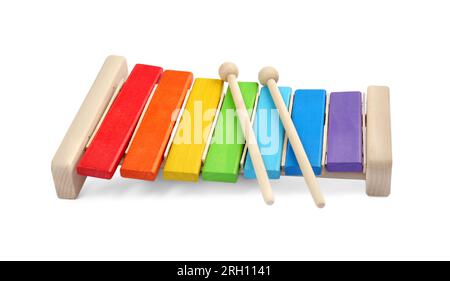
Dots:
(227, 144)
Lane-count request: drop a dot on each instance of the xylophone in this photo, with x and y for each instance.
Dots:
(153, 119)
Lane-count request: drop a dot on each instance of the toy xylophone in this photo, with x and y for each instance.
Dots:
(153, 119)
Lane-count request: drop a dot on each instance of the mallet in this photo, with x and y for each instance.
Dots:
(228, 72)
(269, 76)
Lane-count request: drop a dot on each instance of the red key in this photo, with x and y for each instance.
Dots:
(109, 144)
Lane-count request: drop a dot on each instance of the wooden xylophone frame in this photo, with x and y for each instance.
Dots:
(376, 135)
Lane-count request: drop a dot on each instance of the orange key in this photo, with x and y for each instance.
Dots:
(146, 151)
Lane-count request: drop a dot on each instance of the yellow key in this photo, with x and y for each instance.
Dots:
(185, 156)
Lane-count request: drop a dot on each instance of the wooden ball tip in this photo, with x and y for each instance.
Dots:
(267, 73)
(226, 69)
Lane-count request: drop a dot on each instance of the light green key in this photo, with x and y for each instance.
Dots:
(227, 144)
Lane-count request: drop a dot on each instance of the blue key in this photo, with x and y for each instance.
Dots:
(269, 133)
(308, 115)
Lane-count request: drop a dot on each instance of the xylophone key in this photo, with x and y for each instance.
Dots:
(185, 156)
(344, 147)
(308, 115)
(269, 133)
(225, 151)
(146, 151)
(108, 146)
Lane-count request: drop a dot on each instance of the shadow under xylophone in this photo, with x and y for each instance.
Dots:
(124, 120)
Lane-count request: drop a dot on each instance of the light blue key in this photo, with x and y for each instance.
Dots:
(308, 115)
(269, 133)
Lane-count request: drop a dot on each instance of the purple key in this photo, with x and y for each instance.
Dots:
(345, 151)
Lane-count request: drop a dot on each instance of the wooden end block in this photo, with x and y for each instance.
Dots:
(308, 116)
(344, 147)
(146, 151)
(108, 146)
(67, 182)
(269, 133)
(225, 151)
(185, 155)
(379, 144)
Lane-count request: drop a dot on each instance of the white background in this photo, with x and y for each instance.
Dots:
(51, 51)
